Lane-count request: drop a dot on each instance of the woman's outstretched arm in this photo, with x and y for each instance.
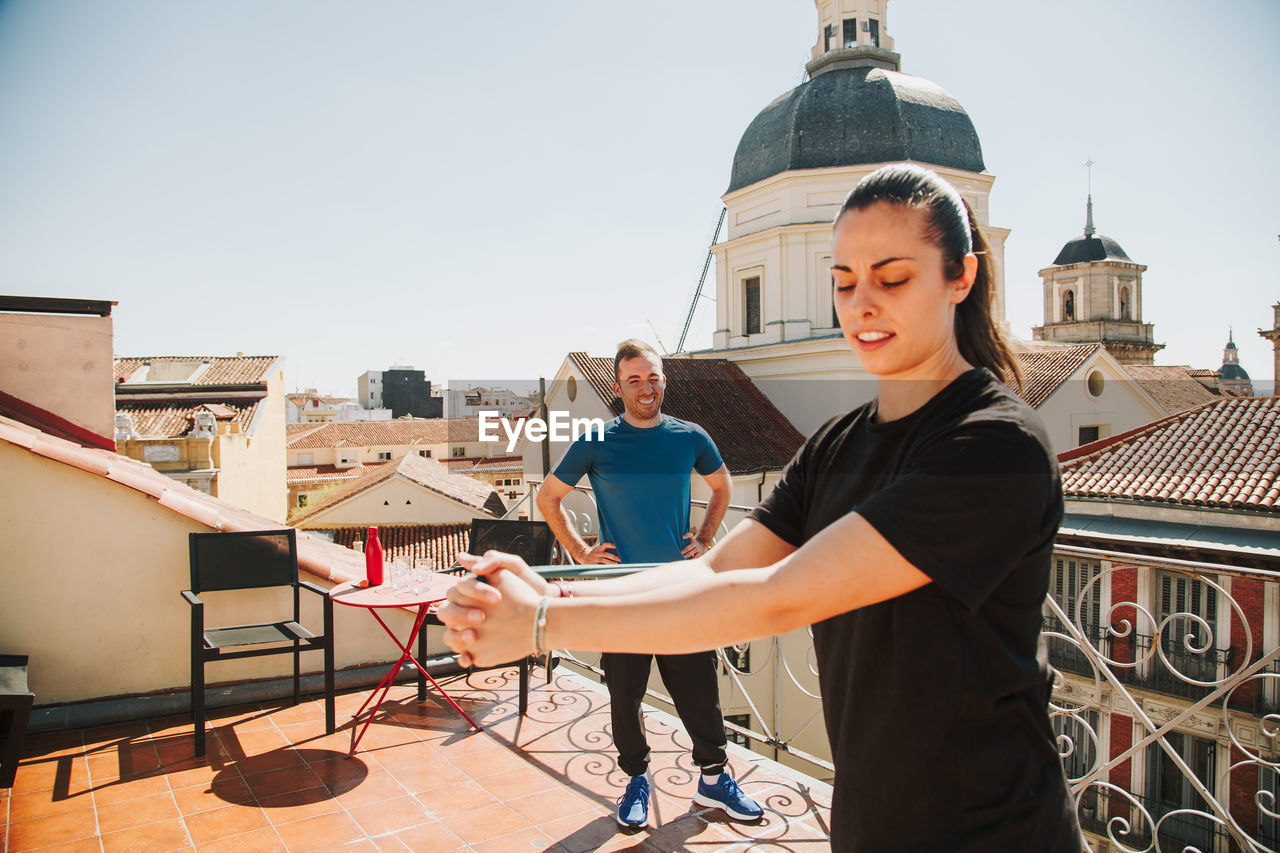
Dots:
(847, 566)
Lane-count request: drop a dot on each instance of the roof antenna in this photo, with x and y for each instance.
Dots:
(656, 335)
(1088, 220)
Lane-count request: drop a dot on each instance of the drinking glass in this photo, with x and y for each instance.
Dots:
(401, 569)
(421, 572)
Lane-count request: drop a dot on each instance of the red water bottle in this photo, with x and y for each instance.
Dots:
(373, 558)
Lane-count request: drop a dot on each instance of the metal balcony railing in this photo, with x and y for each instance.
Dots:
(1103, 671)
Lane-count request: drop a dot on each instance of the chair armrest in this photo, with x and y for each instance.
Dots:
(308, 585)
(191, 598)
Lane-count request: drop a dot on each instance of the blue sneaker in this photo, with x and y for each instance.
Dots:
(633, 805)
(725, 794)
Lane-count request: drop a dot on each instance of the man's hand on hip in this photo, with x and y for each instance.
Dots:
(603, 552)
(696, 548)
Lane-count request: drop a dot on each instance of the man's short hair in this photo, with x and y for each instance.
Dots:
(632, 348)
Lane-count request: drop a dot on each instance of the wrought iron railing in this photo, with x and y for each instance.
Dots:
(777, 666)
(1165, 673)
(1230, 805)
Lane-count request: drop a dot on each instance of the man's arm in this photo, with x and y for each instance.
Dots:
(748, 545)
(550, 503)
(721, 485)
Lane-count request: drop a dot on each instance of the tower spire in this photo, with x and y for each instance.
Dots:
(1089, 230)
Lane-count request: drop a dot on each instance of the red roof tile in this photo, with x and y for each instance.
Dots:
(315, 556)
(484, 464)
(436, 543)
(383, 433)
(750, 432)
(1222, 454)
(1173, 387)
(424, 472)
(230, 370)
(299, 474)
(1045, 367)
(175, 419)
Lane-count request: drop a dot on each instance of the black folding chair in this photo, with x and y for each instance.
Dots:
(15, 710)
(532, 540)
(253, 560)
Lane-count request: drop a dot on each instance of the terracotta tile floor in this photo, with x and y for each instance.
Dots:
(422, 780)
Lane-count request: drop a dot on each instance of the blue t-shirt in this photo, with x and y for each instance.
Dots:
(641, 482)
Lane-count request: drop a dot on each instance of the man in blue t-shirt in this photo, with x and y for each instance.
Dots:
(640, 474)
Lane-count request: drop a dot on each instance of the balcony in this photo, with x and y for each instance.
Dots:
(272, 780)
(421, 780)
(1167, 675)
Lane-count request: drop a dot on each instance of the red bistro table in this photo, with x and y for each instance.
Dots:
(377, 597)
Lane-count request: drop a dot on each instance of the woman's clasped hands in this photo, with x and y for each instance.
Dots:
(489, 614)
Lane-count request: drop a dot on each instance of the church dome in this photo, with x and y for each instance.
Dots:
(848, 116)
(1233, 372)
(1091, 247)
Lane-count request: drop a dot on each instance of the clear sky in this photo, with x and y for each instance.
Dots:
(476, 188)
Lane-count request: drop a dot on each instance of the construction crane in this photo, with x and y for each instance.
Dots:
(702, 279)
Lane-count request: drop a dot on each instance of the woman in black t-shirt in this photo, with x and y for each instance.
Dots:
(914, 533)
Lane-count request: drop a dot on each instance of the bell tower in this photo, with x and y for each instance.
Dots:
(1093, 294)
(852, 28)
(1273, 335)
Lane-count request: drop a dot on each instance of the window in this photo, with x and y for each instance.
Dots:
(1088, 434)
(1070, 587)
(302, 500)
(1095, 383)
(1068, 307)
(751, 301)
(835, 318)
(873, 27)
(739, 657)
(828, 34)
(1269, 827)
(742, 721)
(457, 452)
(1079, 735)
(1124, 303)
(1194, 628)
(425, 453)
(1169, 790)
(384, 455)
(851, 32)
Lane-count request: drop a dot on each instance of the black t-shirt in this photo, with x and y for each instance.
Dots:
(936, 701)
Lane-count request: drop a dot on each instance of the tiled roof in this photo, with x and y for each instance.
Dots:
(424, 472)
(383, 433)
(484, 464)
(1224, 454)
(171, 420)
(322, 559)
(1172, 386)
(750, 432)
(437, 543)
(299, 474)
(233, 370)
(1045, 367)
